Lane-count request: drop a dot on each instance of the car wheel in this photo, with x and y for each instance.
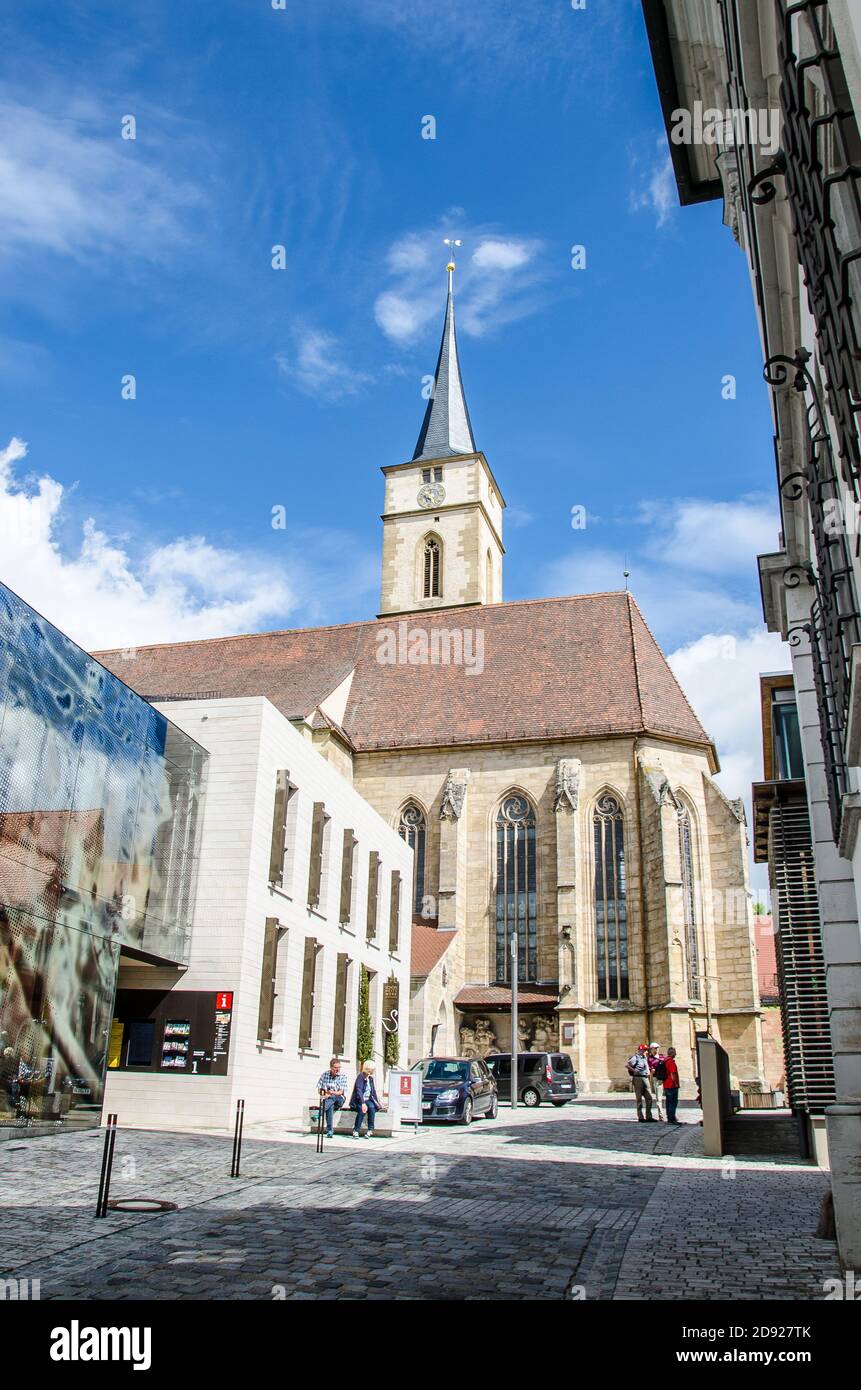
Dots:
(466, 1117)
(531, 1097)
(493, 1108)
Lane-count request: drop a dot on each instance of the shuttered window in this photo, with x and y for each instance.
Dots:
(284, 789)
(315, 864)
(348, 855)
(309, 984)
(373, 893)
(269, 969)
(340, 1031)
(395, 911)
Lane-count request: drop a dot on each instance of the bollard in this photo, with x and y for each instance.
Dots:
(321, 1119)
(107, 1165)
(237, 1138)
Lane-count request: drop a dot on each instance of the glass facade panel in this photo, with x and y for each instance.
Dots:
(100, 810)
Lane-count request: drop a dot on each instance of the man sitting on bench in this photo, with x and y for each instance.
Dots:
(331, 1087)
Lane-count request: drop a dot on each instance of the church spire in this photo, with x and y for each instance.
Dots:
(446, 430)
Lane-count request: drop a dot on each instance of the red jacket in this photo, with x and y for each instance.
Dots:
(672, 1081)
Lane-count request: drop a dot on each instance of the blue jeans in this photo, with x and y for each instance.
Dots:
(372, 1110)
(331, 1105)
(671, 1096)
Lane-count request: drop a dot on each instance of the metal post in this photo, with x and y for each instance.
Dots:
(515, 1020)
(237, 1138)
(321, 1113)
(107, 1165)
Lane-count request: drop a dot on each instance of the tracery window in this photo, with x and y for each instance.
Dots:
(516, 899)
(692, 945)
(432, 572)
(413, 828)
(611, 912)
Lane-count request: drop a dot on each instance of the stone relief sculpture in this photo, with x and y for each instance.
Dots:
(544, 1034)
(454, 794)
(485, 1038)
(567, 784)
(467, 1041)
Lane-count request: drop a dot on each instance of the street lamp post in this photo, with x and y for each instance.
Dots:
(515, 1031)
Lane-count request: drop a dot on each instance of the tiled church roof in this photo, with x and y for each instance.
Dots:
(552, 668)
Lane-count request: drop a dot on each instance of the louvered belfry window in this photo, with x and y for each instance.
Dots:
(432, 587)
(611, 912)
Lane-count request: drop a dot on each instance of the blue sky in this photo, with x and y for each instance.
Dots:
(151, 519)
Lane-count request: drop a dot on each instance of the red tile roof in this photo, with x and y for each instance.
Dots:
(553, 668)
(428, 946)
(499, 996)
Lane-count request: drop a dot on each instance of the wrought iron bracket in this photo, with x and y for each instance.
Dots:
(761, 187)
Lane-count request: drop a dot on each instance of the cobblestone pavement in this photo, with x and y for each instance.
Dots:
(547, 1204)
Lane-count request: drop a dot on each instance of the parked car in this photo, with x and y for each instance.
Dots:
(541, 1076)
(457, 1088)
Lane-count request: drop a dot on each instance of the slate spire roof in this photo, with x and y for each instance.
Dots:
(446, 430)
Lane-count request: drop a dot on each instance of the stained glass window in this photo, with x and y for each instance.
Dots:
(516, 905)
(611, 920)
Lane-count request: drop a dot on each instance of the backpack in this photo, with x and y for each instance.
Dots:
(661, 1071)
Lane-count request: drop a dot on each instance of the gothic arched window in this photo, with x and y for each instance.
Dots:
(432, 569)
(689, 895)
(515, 889)
(488, 578)
(412, 828)
(611, 914)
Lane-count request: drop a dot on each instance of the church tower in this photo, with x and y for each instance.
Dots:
(442, 524)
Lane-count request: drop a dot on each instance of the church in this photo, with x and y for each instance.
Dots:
(543, 764)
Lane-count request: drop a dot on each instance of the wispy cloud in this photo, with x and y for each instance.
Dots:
(72, 187)
(655, 189)
(499, 275)
(317, 366)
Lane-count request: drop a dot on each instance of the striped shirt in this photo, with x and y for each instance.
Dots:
(329, 1081)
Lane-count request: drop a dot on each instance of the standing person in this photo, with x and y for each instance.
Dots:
(671, 1086)
(331, 1087)
(638, 1070)
(365, 1100)
(657, 1073)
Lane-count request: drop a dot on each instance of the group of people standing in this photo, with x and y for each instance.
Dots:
(332, 1088)
(648, 1069)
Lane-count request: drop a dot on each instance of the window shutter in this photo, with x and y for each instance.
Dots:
(340, 1032)
(315, 864)
(279, 829)
(350, 843)
(395, 911)
(309, 980)
(373, 893)
(266, 1009)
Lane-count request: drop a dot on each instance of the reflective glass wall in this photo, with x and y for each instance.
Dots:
(100, 809)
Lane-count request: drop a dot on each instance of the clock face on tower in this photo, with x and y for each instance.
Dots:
(431, 495)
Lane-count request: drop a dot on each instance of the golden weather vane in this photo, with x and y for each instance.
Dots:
(451, 243)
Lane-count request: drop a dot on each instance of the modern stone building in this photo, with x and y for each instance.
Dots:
(543, 764)
(761, 100)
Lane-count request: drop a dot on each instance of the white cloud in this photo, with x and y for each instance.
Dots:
(317, 366)
(102, 596)
(71, 186)
(496, 282)
(657, 192)
(709, 536)
(500, 255)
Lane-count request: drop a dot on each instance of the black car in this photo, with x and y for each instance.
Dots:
(457, 1088)
(541, 1076)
